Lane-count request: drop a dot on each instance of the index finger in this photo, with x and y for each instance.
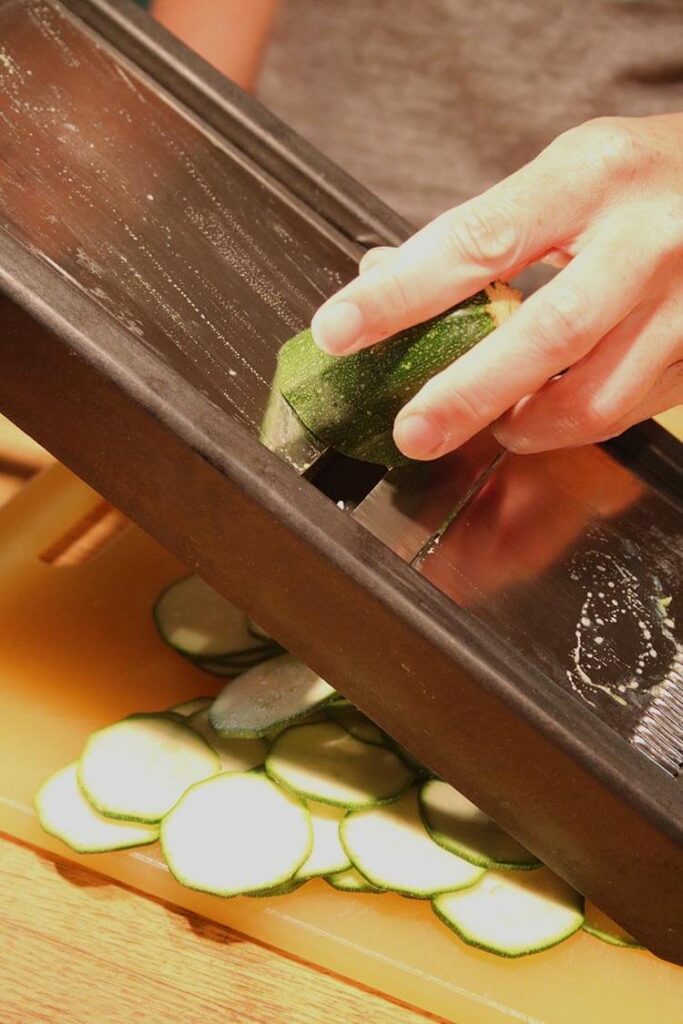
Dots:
(463, 250)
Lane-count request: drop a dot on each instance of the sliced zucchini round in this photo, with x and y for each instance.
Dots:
(235, 755)
(198, 622)
(273, 694)
(325, 763)
(328, 856)
(351, 881)
(458, 825)
(280, 890)
(513, 913)
(190, 707)
(64, 812)
(236, 833)
(230, 665)
(138, 768)
(602, 927)
(392, 849)
(312, 718)
(421, 771)
(230, 669)
(355, 722)
(258, 633)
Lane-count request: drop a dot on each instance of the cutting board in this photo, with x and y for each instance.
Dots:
(78, 650)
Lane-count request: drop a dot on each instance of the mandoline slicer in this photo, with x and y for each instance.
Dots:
(512, 621)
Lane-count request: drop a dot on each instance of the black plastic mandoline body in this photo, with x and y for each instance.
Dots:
(511, 621)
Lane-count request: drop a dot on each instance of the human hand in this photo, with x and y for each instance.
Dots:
(230, 34)
(604, 202)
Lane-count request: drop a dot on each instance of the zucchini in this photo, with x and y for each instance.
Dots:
(325, 763)
(356, 723)
(229, 667)
(236, 833)
(197, 622)
(234, 754)
(351, 881)
(258, 633)
(328, 856)
(138, 768)
(513, 914)
(190, 707)
(350, 403)
(276, 693)
(280, 890)
(392, 849)
(459, 826)
(602, 927)
(64, 812)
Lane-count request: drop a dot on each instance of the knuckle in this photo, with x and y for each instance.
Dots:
(392, 299)
(671, 227)
(373, 257)
(666, 391)
(611, 148)
(459, 405)
(486, 235)
(598, 417)
(557, 323)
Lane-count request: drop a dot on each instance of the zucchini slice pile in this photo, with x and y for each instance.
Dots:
(280, 780)
(196, 622)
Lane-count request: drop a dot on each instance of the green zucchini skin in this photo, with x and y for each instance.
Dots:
(350, 403)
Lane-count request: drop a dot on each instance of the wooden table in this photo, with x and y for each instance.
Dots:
(76, 948)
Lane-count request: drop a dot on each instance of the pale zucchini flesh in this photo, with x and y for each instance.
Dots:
(139, 768)
(513, 913)
(234, 754)
(191, 706)
(328, 856)
(64, 812)
(355, 722)
(237, 833)
(458, 825)
(325, 763)
(351, 880)
(271, 695)
(199, 623)
(392, 849)
(600, 926)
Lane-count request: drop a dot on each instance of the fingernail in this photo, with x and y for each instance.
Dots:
(337, 327)
(417, 436)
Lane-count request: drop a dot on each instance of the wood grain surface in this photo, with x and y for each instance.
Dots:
(78, 949)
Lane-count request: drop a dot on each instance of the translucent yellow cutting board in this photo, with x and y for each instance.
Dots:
(78, 649)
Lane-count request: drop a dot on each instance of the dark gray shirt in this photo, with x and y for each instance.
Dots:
(428, 102)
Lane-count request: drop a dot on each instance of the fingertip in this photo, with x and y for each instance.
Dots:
(373, 257)
(417, 436)
(337, 327)
(515, 442)
(509, 430)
